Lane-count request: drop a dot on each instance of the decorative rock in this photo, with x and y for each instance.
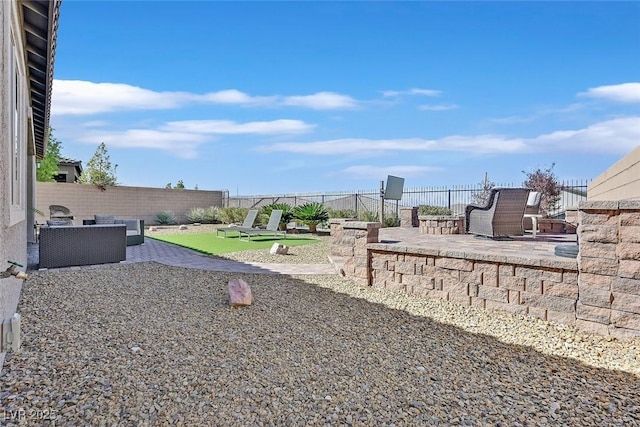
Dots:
(153, 228)
(239, 293)
(279, 249)
(182, 227)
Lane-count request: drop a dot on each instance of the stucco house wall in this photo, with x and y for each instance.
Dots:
(20, 121)
(620, 182)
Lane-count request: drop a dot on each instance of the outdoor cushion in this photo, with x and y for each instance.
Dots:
(54, 223)
(105, 219)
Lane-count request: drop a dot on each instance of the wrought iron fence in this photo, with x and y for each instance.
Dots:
(367, 202)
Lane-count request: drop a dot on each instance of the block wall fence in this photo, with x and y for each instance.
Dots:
(598, 292)
(84, 201)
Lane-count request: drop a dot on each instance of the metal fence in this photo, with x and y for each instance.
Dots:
(367, 202)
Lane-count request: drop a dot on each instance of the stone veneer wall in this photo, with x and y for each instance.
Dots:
(441, 224)
(599, 292)
(609, 263)
(409, 217)
(349, 240)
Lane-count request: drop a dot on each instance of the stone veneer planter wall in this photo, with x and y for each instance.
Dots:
(599, 292)
(441, 224)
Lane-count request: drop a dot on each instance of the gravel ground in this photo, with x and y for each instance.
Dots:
(147, 344)
(315, 253)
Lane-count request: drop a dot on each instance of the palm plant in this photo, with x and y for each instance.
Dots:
(311, 214)
(287, 213)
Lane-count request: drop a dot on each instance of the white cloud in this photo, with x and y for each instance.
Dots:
(368, 171)
(182, 145)
(77, 97)
(233, 96)
(612, 136)
(627, 93)
(441, 107)
(479, 144)
(414, 91)
(230, 127)
(619, 135)
(321, 101)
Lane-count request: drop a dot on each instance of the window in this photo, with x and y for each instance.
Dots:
(17, 144)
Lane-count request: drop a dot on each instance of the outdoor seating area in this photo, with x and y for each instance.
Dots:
(135, 227)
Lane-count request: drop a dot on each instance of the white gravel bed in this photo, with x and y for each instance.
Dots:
(314, 253)
(147, 344)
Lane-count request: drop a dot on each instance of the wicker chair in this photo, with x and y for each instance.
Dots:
(501, 216)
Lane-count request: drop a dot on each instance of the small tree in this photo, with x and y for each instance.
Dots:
(480, 197)
(48, 166)
(180, 185)
(546, 182)
(99, 170)
(168, 186)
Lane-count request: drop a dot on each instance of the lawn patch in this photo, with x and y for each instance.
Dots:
(209, 243)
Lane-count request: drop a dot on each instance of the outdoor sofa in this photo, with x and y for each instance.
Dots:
(135, 227)
(72, 245)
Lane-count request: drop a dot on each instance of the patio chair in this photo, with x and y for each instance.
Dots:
(501, 216)
(249, 220)
(273, 227)
(532, 212)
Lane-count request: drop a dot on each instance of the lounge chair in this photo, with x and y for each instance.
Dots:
(247, 224)
(501, 216)
(273, 227)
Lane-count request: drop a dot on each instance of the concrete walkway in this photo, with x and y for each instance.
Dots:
(168, 254)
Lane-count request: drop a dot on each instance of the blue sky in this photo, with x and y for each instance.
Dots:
(274, 97)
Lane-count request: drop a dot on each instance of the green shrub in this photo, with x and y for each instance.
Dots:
(287, 211)
(196, 215)
(391, 221)
(203, 215)
(212, 215)
(433, 210)
(368, 216)
(233, 215)
(342, 213)
(165, 218)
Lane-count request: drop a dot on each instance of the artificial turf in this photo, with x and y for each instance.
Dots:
(209, 243)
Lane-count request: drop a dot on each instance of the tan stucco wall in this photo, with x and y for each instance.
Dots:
(13, 237)
(620, 182)
(85, 201)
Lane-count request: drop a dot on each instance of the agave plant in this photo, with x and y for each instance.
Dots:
(287, 213)
(311, 214)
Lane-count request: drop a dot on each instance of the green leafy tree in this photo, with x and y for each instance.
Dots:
(99, 170)
(180, 184)
(48, 166)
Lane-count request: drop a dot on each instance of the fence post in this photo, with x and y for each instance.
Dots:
(449, 197)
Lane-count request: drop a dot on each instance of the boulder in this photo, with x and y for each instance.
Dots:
(239, 293)
(182, 227)
(279, 249)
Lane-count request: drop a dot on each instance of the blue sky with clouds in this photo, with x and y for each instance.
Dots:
(273, 97)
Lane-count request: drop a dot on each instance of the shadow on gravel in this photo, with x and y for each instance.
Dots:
(146, 343)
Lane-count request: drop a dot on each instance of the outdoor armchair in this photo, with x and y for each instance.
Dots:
(501, 215)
